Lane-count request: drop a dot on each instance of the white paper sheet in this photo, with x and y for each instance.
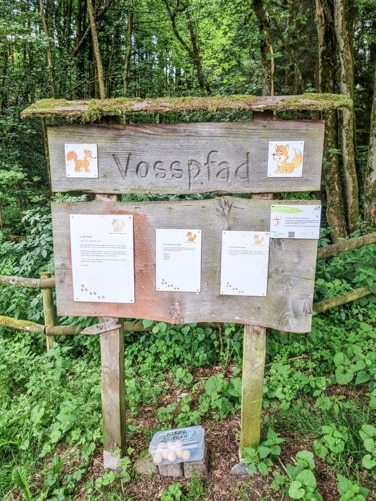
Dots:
(178, 260)
(102, 258)
(295, 221)
(244, 263)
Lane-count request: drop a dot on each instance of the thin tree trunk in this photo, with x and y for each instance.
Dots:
(266, 48)
(192, 51)
(335, 211)
(97, 54)
(370, 177)
(51, 73)
(346, 59)
(128, 51)
(204, 86)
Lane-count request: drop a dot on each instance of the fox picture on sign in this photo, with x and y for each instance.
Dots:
(285, 158)
(81, 160)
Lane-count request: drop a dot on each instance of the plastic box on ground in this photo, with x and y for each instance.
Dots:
(177, 446)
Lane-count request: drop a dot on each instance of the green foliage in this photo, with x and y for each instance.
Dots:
(299, 482)
(265, 455)
(221, 397)
(368, 435)
(350, 490)
(332, 442)
(194, 491)
(303, 484)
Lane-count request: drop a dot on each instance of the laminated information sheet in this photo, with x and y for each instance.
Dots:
(295, 221)
(178, 260)
(102, 258)
(244, 263)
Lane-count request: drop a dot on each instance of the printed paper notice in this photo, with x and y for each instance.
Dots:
(295, 221)
(178, 260)
(244, 263)
(102, 258)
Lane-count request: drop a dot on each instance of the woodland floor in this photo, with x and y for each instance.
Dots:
(222, 440)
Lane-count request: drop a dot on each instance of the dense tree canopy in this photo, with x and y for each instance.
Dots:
(153, 48)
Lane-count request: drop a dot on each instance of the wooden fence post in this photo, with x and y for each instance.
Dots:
(254, 348)
(113, 393)
(48, 309)
(254, 353)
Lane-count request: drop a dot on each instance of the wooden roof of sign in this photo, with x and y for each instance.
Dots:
(93, 110)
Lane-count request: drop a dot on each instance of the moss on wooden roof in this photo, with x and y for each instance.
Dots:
(94, 110)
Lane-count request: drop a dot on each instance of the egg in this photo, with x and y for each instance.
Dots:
(164, 453)
(170, 444)
(185, 454)
(157, 458)
(178, 453)
(171, 456)
(178, 444)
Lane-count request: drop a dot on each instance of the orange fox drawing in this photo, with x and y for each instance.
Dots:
(191, 236)
(81, 163)
(281, 156)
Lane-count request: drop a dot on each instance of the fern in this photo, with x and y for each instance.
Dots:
(18, 477)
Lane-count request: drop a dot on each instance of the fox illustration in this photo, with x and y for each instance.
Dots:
(81, 163)
(258, 239)
(191, 236)
(281, 156)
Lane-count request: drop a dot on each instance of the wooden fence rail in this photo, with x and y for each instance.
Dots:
(47, 282)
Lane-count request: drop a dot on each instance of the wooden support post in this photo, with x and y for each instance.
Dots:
(254, 352)
(113, 393)
(113, 384)
(48, 309)
(254, 348)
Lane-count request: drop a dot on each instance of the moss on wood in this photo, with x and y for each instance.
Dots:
(94, 110)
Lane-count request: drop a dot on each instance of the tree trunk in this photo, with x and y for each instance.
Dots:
(204, 86)
(335, 211)
(97, 54)
(266, 48)
(346, 60)
(192, 49)
(128, 50)
(370, 177)
(51, 73)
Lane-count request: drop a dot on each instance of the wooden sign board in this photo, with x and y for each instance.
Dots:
(290, 272)
(237, 157)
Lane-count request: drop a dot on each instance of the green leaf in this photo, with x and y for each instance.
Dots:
(296, 490)
(368, 462)
(344, 375)
(263, 451)
(306, 457)
(362, 377)
(344, 484)
(308, 479)
(263, 469)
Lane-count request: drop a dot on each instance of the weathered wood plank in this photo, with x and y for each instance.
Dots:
(94, 110)
(254, 350)
(48, 309)
(34, 283)
(187, 158)
(113, 395)
(286, 307)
